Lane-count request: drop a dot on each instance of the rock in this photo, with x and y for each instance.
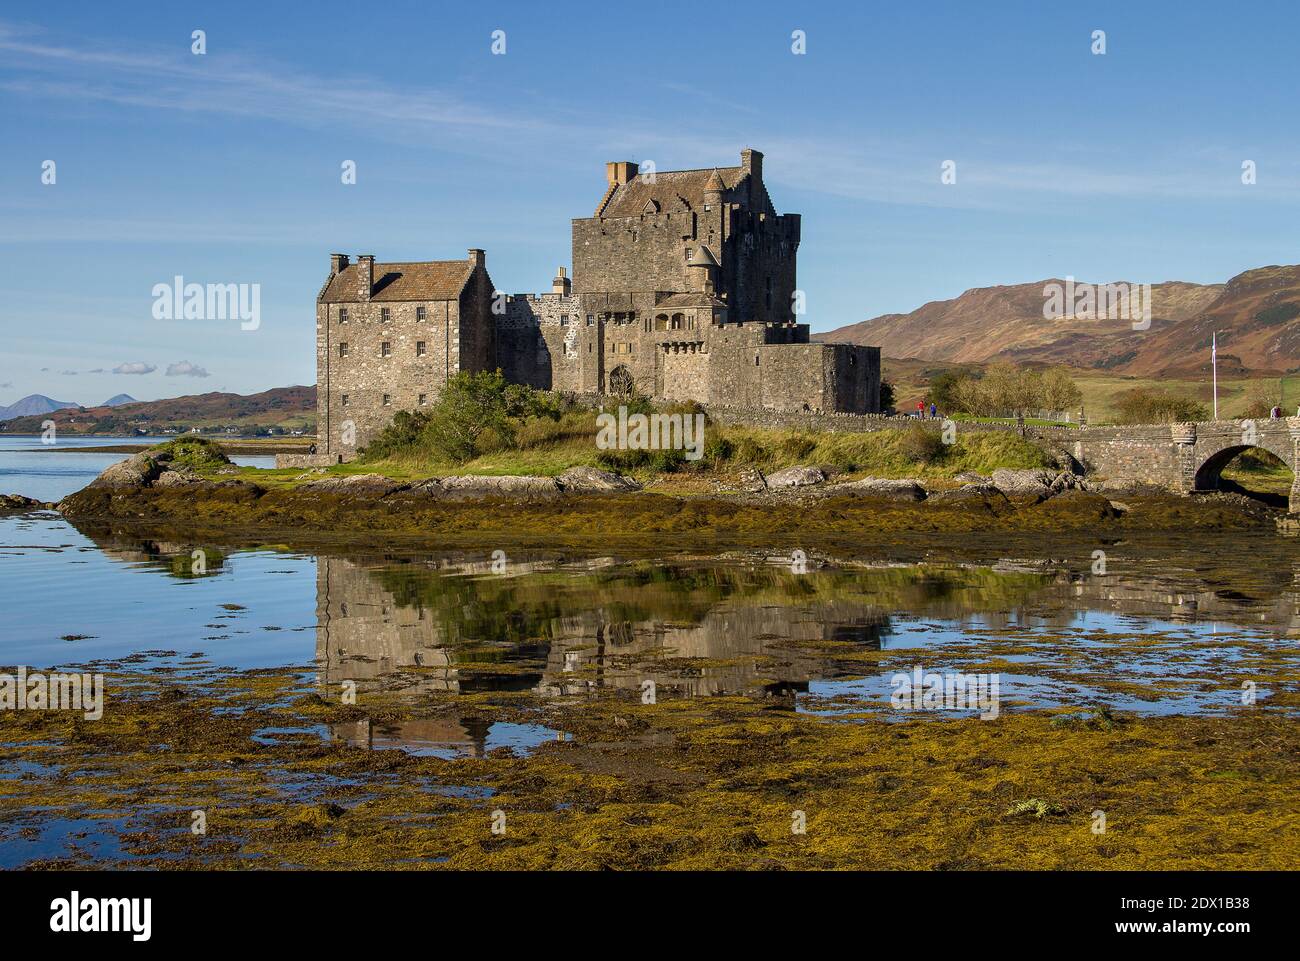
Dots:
(987, 493)
(970, 477)
(138, 470)
(796, 477)
(1024, 483)
(1066, 482)
(475, 487)
(17, 502)
(590, 480)
(752, 480)
(176, 478)
(369, 485)
(894, 490)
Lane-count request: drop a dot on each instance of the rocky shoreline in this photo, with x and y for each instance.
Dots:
(584, 504)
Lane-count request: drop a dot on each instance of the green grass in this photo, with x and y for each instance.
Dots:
(547, 448)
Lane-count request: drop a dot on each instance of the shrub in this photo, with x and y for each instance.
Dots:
(195, 452)
(922, 445)
(797, 448)
(1143, 405)
(474, 413)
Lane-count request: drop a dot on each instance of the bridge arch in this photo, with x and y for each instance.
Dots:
(1212, 458)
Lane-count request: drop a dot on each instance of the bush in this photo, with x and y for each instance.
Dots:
(797, 448)
(1143, 405)
(195, 452)
(922, 445)
(474, 413)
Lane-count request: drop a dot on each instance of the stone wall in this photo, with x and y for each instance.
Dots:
(383, 358)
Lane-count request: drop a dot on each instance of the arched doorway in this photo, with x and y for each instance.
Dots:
(620, 382)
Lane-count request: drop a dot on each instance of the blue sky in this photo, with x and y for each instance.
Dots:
(225, 168)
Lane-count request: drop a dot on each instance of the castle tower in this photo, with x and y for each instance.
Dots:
(701, 271)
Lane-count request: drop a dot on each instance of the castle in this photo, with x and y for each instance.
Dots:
(683, 288)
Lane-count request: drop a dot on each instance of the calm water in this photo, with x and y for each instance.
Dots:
(696, 627)
(49, 472)
(1180, 630)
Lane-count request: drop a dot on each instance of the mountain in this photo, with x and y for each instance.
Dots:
(117, 400)
(32, 405)
(1256, 315)
(285, 408)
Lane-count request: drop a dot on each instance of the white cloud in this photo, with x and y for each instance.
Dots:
(135, 367)
(183, 368)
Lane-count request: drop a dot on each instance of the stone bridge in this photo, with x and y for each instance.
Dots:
(1182, 457)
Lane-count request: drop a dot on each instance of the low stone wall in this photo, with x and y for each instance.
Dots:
(307, 460)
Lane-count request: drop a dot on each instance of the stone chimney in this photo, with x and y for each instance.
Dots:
(620, 172)
(751, 162)
(477, 257)
(561, 284)
(338, 262)
(365, 276)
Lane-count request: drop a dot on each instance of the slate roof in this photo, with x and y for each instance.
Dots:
(691, 300)
(670, 189)
(425, 280)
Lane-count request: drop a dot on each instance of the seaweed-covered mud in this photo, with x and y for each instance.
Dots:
(512, 707)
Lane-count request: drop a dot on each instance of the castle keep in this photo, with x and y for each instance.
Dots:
(683, 288)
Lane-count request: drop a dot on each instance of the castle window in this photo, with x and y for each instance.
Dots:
(383, 315)
(420, 350)
(661, 322)
(756, 360)
(386, 349)
(343, 400)
(388, 400)
(343, 349)
(564, 320)
(424, 399)
(590, 320)
(343, 315)
(420, 313)
(688, 253)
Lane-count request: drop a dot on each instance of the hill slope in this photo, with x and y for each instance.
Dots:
(1256, 314)
(282, 407)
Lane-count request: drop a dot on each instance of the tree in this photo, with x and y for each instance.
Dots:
(471, 409)
(1060, 392)
(886, 395)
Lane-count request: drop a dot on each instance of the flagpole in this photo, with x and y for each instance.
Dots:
(1214, 364)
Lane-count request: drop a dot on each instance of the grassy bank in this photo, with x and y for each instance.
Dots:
(547, 448)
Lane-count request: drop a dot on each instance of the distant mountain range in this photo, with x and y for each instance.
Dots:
(285, 408)
(1256, 315)
(35, 404)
